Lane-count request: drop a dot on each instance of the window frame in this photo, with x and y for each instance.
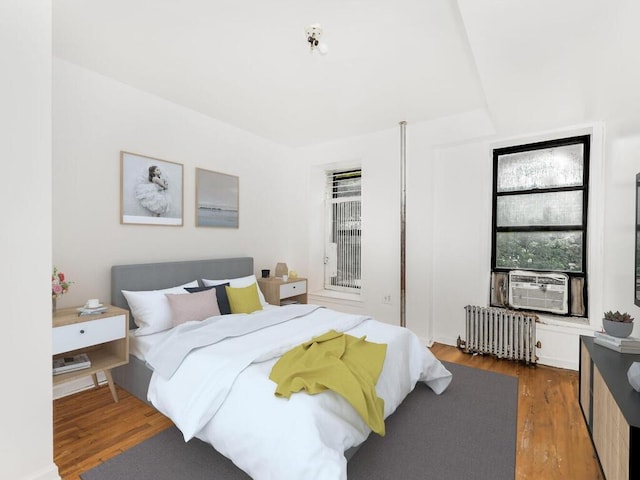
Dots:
(585, 141)
(331, 193)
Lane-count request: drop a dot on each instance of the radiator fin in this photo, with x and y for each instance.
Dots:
(501, 332)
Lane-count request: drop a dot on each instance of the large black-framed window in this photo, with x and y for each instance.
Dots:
(540, 205)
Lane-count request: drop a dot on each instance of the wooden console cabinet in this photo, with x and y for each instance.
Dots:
(611, 408)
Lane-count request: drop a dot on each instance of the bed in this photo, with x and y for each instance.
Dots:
(135, 376)
(219, 390)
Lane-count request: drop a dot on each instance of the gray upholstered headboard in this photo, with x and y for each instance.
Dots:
(156, 276)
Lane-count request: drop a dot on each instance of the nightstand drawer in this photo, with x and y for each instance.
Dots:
(291, 289)
(85, 334)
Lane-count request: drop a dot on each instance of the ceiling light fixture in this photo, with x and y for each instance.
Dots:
(313, 33)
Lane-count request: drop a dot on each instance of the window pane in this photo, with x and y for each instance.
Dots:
(560, 251)
(346, 184)
(347, 237)
(545, 168)
(554, 208)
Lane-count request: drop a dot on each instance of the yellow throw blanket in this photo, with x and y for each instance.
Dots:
(335, 361)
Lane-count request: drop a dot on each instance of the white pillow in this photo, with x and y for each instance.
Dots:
(213, 283)
(150, 309)
(238, 283)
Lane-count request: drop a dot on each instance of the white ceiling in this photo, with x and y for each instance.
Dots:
(532, 63)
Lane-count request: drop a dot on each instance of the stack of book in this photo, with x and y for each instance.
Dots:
(91, 311)
(622, 345)
(288, 302)
(69, 364)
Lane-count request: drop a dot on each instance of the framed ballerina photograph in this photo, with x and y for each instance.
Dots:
(151, 191)
(216, 199)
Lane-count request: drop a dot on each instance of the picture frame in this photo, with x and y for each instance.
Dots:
(217, 199)
(151, 191)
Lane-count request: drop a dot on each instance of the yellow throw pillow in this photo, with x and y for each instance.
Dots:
(244, 299)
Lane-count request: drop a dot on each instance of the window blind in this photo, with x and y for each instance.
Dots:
(343, 251)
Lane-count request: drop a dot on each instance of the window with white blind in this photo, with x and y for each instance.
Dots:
(344, 234)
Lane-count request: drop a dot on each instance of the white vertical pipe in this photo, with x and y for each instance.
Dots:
(467, 312)
(403, 220)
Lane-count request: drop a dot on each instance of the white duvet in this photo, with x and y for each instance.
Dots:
(221, 393)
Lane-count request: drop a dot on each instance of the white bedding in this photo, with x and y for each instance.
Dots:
(139, 345)
(221, 393)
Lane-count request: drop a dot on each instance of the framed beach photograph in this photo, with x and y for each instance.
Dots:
(217, 199)
(151, 191)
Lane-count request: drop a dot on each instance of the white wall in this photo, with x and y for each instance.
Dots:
(462, 249)
(281, 214)
(94, 119)
(281, 205)
(623, 154)
(379, 156)
(26, 443)
(449, 178)
(461, 229)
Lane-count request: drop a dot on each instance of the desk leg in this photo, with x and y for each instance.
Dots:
(95, 379)
(112, 386)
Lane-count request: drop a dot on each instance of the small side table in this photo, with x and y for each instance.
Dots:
(278, 292)
(103, 337)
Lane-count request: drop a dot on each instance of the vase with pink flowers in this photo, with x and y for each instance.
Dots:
(59, 286)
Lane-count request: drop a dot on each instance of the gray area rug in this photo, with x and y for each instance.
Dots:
(467, 432)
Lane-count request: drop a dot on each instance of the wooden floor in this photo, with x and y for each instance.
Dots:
(89, 428)
(553, 442)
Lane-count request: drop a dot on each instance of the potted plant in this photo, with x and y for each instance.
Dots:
(617, 324)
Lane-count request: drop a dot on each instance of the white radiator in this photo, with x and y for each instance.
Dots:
(504, 333)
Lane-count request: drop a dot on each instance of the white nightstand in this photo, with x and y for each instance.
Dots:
(104, 337)
(278, 292)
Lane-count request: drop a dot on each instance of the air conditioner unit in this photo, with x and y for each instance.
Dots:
(539, 291)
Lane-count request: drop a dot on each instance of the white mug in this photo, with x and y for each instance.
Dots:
(285, 278)
(93, 303)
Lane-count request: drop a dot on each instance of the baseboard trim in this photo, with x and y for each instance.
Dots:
(548, 361)
(77, 385)
(557, 363)
(48, 473)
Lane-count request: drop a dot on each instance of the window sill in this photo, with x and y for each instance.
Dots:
(570, 322)
(334, 295)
